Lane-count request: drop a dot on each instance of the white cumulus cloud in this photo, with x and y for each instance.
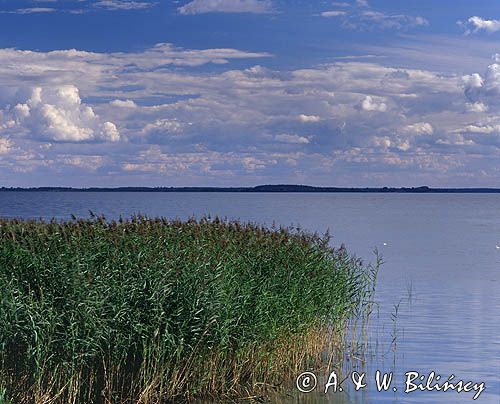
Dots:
(294, 139)
(309, 118)
(333, 13)
(372, 104)
(58, 114)
(5, 145)
(227, 6)
(163, 126)
(483, 91)
(123, 103)
(123, 4)
(32, 10)
(475, 24)
(361, 16)
(476, 107)
(420, 128)
(485, 129)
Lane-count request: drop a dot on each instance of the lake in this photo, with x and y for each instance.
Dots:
(438, 292)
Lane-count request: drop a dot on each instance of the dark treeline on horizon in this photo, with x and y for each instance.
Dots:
(259, 188)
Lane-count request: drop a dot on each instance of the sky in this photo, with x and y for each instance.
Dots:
(247, 92)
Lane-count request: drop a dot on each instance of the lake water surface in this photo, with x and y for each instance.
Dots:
(438, 291)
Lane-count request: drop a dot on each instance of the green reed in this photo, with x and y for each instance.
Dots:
(144, 310)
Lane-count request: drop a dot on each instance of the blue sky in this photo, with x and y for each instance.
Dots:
(246, 92)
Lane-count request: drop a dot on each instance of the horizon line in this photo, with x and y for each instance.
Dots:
(283, 188)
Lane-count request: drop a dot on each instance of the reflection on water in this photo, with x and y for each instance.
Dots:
(386, 353)
(438, 291)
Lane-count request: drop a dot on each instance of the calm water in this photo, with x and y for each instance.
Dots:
(442, 266)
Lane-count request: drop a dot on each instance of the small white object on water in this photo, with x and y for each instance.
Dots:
(386, 244)
(498, 247)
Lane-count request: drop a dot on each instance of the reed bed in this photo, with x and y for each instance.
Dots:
(150, 310)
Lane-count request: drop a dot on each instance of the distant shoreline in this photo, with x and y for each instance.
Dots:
(263, 188)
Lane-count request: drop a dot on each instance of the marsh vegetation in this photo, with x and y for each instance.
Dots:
(146, 310)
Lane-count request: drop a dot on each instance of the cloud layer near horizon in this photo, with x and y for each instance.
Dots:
(150, 116)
